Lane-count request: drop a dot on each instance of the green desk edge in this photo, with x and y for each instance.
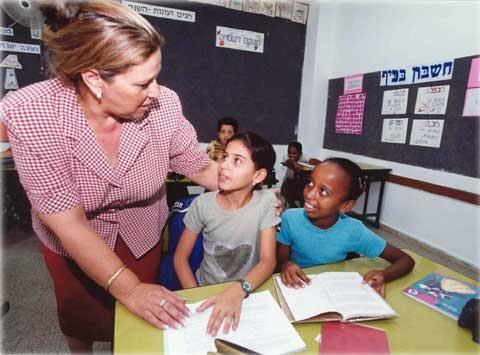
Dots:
(418, 329)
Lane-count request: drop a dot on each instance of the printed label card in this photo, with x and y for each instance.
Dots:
(427, 133)
(395, 102)
(432, 100)
(395, 130)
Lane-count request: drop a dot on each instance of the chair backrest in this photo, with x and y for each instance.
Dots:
(167, 276)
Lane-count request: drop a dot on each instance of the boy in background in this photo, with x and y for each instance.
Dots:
(226, 128)
(296, 176)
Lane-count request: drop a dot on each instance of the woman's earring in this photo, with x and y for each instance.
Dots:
(99, 95)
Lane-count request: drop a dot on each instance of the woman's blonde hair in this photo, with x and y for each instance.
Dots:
(95, 34)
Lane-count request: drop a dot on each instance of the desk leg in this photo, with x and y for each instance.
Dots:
(365, 202)
(379, 204)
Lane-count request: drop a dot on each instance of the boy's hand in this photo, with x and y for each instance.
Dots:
(376, 279)
(293, 275)
(228, 305)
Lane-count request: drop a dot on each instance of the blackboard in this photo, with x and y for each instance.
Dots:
(261, 90)
(33, 65)
(458, 151)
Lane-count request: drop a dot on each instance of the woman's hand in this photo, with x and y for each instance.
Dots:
(376, 279)
(157, 305)
(279, 203)
(228, 305)
(293, 275)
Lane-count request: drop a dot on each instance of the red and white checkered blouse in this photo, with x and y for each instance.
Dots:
(61, 164)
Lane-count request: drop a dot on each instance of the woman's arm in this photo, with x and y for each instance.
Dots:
(181, 257)
(207, 177)
(228, 303)
(401, 264)
(100, 263)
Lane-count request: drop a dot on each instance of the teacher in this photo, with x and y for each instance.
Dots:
(92, 147)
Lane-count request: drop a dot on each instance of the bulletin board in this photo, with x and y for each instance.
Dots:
(434, 124)
(261, 90)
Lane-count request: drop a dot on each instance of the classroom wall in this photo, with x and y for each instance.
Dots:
(349, 36)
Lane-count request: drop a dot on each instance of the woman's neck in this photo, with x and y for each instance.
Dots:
(96, 117)
(234, 200)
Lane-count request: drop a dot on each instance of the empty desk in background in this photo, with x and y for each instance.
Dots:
(372, 174)
(418, 329)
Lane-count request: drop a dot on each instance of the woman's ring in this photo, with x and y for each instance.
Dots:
(162, 302)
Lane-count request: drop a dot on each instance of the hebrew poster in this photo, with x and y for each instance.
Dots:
(349, 118)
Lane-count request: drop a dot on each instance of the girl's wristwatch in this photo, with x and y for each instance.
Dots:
(246, 286)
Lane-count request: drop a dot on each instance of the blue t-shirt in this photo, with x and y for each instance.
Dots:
(311, 245)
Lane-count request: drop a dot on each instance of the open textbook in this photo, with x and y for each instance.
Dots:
(332, 296)
(263, 328)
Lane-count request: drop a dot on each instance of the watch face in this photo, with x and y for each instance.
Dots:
(246, 286)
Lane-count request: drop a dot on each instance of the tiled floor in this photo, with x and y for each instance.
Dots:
(31, 325)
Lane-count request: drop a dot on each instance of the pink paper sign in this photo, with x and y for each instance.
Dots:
(353, 84)
(349, 119)
(474, 77)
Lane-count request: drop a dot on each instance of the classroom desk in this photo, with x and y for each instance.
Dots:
(372, 173)
(418, 329)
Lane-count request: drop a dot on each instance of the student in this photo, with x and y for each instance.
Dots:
(238, 224)
(226, 128)
(295, 177)
(321, 233)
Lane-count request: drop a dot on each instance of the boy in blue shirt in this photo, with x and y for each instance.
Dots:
(321, 232)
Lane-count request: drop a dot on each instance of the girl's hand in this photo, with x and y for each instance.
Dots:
(376, 279)
(293, 275)
(157, 305)
(228, 305)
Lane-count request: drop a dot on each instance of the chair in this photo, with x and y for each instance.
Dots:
(167, 276)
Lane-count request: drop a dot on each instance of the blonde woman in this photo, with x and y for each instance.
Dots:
(92, 147)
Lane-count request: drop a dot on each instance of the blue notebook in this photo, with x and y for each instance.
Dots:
(442, 293)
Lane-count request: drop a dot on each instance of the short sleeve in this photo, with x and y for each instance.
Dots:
(284, 236)
(269, 218)
(41, 164)
(192, 219)
(186, 157)
(370, 244)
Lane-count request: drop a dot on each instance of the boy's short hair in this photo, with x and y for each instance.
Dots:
(230, 121)
(296, 145)
(263, 154)
(356, 174)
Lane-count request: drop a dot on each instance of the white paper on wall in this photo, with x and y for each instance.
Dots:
(300, 12)
(427, 133)
(432, 100)
(472, 103)
(11, 82)
(395, 102)
(284, 8)
(395, 130)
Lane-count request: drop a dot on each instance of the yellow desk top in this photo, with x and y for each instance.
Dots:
(418, 329)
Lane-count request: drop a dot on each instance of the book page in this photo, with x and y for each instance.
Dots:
(263, 328)
(354, 299)
(307, 302)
